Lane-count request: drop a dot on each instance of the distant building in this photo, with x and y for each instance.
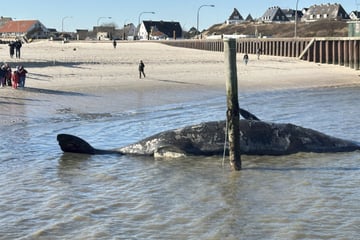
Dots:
(249, 18)
(235, 18)
(192, 33)
(24, 29)
(4, 20)
(291, 14)
(274, 14)
(82, 34)
(104, 32)
(354, 28)
(325, 11)
(354, 15)
(128, 32)
(155, 30)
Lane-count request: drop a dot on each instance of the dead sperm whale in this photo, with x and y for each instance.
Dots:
(208, 138)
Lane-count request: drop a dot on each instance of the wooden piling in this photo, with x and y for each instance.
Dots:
(232, 103)
(356, 55)
(341, 53)
(346, 53)
(351, 54)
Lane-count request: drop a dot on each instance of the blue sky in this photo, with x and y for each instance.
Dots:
(86, 13)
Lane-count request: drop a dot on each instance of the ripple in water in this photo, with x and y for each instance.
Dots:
(50, 195)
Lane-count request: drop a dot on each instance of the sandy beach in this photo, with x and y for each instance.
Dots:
(95, 77)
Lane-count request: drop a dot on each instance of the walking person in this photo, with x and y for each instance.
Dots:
(141, 68)
(258, 53)
(114, 43)
(22, 76)
(18, 46)
(12, 48)
(246, 59)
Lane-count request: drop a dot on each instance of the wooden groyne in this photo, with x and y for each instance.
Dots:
(338, 51)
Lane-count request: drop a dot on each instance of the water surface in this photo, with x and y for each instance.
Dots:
(50, 195)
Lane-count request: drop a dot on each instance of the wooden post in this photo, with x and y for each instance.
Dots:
(232, 103)
(356, 55)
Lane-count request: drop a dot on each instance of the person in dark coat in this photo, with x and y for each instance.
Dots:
(8, 74)
(246, 58)
(2, 76)
(22, 76)
(141, 68)
(114, 43)
(12, 48)
(18, 46)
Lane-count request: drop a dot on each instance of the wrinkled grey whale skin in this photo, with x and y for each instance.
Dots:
(208, 138)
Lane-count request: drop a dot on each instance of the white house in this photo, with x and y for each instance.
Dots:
(154, 30)
(235, 18)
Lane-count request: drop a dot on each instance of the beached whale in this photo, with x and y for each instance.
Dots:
(208, 138)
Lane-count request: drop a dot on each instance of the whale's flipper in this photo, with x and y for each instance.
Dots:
(247, 115)
(169, 152)
(73, 144)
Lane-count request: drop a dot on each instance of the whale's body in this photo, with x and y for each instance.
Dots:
(208, 138)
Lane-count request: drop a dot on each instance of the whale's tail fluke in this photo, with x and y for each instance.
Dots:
(74, 144)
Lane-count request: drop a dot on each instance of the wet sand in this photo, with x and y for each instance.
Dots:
(95, 77)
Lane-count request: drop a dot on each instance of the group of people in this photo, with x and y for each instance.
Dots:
(15, 47)
(246, 56)
(11, 78)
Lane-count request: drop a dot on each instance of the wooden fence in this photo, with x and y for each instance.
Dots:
(338, 51)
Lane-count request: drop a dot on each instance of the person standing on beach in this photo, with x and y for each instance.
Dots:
(2, 76)
(22, 76)
(141, 68)
(18, 46)
(246, 59)
(12, 48)
(258, 53)
(15, 79)
(8, 74)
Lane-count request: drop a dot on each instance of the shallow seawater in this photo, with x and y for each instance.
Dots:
(50, 195)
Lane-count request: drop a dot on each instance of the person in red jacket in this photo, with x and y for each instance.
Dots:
(15, 79)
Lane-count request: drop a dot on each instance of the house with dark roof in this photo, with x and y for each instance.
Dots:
(249, 18)
(23, 28)
(235, 18)
(274, 14)
(325, 11)
(155, 30)
(354, 15)
(291, 14)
